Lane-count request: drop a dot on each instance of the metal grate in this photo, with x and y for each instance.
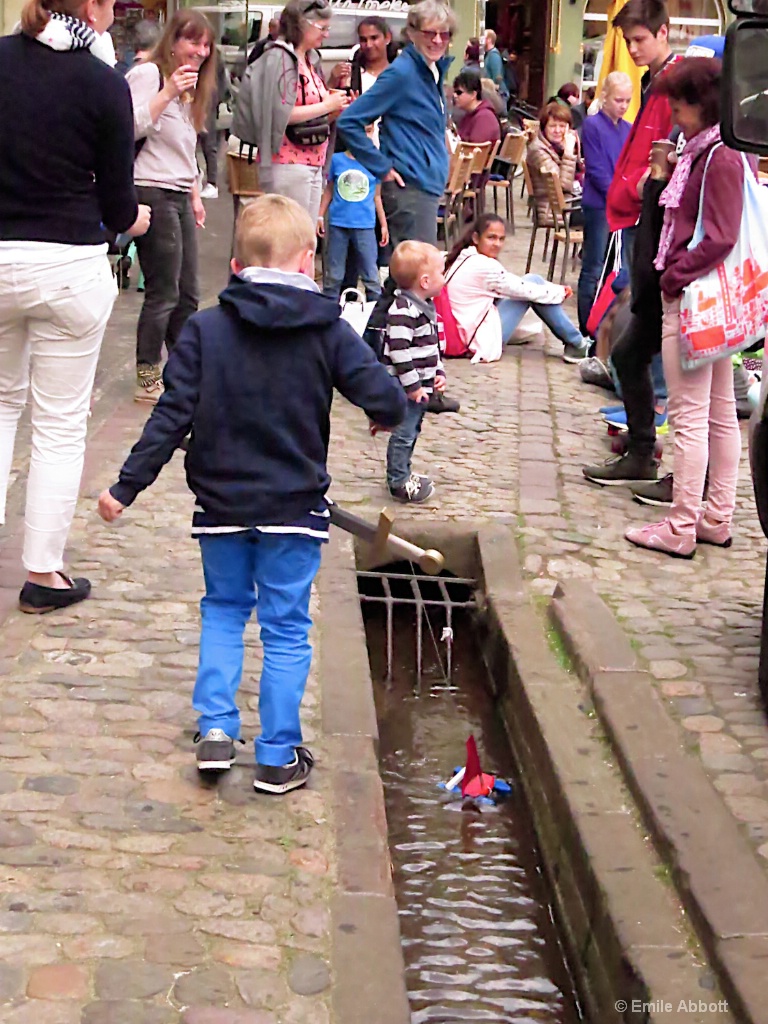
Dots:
(423, 593)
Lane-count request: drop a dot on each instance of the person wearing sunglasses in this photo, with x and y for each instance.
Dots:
(408, 96)
(285, 109)
(479, 122)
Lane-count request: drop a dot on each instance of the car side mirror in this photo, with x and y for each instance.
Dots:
(745, 78)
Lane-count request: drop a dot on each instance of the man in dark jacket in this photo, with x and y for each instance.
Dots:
(253, 380)
(273, 31)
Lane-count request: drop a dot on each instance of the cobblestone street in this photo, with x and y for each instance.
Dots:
(130, 893)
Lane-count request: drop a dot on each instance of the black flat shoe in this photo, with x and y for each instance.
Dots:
(35, 599)
(438, 402)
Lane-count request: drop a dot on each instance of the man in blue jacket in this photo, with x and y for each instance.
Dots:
(253, 379)
(412, 162)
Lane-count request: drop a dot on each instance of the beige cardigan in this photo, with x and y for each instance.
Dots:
(541, 157)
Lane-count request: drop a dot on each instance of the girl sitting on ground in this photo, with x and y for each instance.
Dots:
(488, 302)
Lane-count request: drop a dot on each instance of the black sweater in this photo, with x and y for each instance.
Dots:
(66, 145)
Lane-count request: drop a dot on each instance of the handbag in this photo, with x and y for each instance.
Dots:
(308, 133)
(355, 310)
(605, 296)
(725, 311)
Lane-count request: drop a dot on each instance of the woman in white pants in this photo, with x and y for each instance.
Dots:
(66, 173)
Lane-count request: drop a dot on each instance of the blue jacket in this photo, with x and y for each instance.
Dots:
(253, 379)
(601, 144)
(411, 105)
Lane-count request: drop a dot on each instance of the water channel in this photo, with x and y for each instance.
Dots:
(478, 935)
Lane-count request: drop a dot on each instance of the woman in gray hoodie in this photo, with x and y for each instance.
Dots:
(285, 110)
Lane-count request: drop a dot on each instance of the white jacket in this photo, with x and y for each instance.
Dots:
(473, 284)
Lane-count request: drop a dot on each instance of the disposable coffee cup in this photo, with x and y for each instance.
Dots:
(660, 150)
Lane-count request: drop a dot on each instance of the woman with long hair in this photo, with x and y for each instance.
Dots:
(286, 108)
(702, 406)
(172, 92)
(66, 139)
(488, 302)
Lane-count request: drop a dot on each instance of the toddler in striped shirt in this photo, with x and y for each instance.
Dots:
(412, 354)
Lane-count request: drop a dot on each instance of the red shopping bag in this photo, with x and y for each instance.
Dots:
(605, 293)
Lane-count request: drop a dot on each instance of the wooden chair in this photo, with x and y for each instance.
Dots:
(478, 151)
(562, 211)
(511, 156)
(533, 213)
(454, 197)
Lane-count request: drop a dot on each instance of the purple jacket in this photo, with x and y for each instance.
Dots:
(481, 125)
(601, 143)
(721, 215)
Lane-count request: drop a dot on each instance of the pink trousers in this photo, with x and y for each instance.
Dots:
(702, 410)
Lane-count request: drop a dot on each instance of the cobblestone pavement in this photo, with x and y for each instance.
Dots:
(129, 892)
(132, 894)
(514, 454)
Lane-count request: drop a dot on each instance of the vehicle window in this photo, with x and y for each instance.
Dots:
(343, 34)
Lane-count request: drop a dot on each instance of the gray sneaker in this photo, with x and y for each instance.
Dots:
(415, 490)
(594, 371)
(574, 354)
(215, 751)
(622, 470)
(657, 493)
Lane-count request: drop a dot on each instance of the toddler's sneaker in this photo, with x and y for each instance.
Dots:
(415, 490)
(215, 751)
(284, 778)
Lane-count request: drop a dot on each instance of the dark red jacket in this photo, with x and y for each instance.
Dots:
(480, 125)
(654, 121)
(721, 215)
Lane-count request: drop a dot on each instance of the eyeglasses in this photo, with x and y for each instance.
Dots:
(444, 37)
(321, 26)
(458, 92)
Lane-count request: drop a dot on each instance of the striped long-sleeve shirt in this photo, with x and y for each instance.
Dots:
(411, 346)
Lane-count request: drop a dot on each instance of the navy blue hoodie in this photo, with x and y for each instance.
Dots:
(253, 379)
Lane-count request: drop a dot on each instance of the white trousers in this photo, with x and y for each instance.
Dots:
(52, 319)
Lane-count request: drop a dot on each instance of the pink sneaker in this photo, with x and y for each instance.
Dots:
(718, 534)
(662, 537)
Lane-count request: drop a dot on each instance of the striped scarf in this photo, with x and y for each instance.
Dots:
(65, 33)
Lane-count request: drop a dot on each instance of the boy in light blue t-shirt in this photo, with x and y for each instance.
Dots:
(352, 199)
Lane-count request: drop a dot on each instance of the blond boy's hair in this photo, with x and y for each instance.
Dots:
(271, 231)
(409, 261)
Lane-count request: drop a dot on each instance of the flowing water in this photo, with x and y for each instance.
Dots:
(477, 930)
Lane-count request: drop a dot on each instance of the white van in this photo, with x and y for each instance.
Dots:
(239, 26)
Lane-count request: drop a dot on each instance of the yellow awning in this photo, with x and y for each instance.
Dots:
(616, 58)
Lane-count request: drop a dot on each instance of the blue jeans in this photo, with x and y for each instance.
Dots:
(362, 241)
(272, 573)
(512, 312)
(402, 441)
(596, 235)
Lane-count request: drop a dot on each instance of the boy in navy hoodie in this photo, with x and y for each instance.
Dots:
(253, 379)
